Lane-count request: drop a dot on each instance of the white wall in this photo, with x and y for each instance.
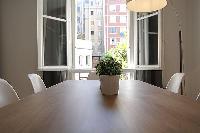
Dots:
(171, 21)
(18, 38)
(193, 47)
(188, 15)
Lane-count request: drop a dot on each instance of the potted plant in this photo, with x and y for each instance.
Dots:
(109, 70)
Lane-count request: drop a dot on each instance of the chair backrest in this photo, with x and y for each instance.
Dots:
(37, 83)
(175, 82)
(197, 98)
(7, 93)
(93, 76)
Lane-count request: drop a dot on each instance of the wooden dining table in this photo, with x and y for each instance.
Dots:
(79, 107)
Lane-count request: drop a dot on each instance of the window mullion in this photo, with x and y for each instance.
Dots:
(147, 16)
(142, 30)
(40, 33)
(54, 18)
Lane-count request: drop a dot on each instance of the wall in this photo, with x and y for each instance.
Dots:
(188, 16)
(193, 47)
(18, 39)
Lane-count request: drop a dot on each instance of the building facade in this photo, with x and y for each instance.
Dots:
(115, 22)
(103, 22)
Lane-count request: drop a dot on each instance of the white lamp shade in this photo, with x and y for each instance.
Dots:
(145, 5)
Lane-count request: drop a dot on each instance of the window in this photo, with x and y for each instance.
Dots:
(100, 34)
(100, 23)
(81, 58)
(99, 2)
(92, 13)
(123, 8)
(78, 9)
(99, 13)
(92, 32)
(148, 52)
(113, 41)
(69, 37)
(113, 30)
(92, 22)
(112, 8)
(123, 19)
(91, 3)
(88, 60)
(113, 19)
(52, 33)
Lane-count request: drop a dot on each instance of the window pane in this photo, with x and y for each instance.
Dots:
(55, 8)
(55, 45)
(90, 37)
(148, 41)
(101, 27)
(153, 24)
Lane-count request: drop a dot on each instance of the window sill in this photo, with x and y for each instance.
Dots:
(54, 68)
(148, 67)
(87, 70)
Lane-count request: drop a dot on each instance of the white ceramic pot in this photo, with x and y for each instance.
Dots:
(109, 84)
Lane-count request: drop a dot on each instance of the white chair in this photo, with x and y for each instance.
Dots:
(198, 99)
(93, 76)
(7, 93)
(37, 83)
(175, 82)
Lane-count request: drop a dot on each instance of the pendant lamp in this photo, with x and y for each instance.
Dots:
(145, 5)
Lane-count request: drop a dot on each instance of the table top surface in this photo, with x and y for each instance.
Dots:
(79, 107)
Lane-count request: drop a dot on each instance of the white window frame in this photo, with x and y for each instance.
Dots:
(40, 43)
(71, 38)
(135, 49)
(132, 50)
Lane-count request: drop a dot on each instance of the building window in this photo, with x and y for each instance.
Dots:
(123, 8)
(59, 46)
(100, 34)
(92, 12)
(63, 36)
(88, 60)
(100, 23)
(113, 41)
(123, 19)
(91, 3)
(78, 9)
(113, 19)
(113, 30)
(99, 13)
(92, 32)
(148, 37)
(52, 33)
(92, 22)
(81, 58)
(112, 8)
